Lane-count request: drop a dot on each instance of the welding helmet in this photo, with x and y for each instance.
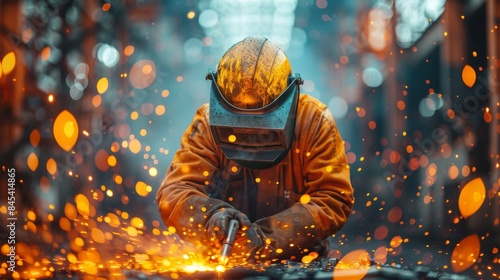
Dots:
(253, 103)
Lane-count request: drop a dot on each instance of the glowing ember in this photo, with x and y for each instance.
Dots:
(465, 253)
(65, 130)
(471, 197)
(8, 63)
(468, 75)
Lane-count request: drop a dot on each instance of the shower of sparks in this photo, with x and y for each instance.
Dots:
(92, 215)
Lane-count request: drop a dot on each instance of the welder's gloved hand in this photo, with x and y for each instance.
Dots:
(218, 224)
(248, 242)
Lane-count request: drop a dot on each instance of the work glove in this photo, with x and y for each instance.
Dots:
(218, 224)
(248, 242)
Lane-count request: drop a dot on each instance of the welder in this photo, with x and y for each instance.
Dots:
(261, 153)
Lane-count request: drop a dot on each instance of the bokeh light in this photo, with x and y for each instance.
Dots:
(471, 197)
(65, 130)
(465, 253)
(142, 74)
(8, 63)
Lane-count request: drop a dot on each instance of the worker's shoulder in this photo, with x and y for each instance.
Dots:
(308, 103)
(312, 108)
(203, 111)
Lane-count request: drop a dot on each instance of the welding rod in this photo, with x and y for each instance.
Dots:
(228, 243)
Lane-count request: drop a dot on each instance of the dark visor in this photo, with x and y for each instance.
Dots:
(256, 138)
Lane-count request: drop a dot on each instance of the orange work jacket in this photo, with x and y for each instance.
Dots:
(298, 203)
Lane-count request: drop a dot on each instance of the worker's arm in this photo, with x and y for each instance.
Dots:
(182, 198)
(294, 232)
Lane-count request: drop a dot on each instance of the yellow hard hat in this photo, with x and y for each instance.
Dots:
(253, 73)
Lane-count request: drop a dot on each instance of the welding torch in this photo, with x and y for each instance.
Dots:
(228, 243)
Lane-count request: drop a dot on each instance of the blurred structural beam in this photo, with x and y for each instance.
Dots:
(493, 19)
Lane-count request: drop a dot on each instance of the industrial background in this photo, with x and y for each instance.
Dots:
(94, 96)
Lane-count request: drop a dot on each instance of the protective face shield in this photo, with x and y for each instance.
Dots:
(257, 137)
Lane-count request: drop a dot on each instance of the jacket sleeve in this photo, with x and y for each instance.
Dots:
(328, 199)
(182, 199)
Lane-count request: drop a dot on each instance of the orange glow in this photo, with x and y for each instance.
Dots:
(432, 169)
(106, 7)
(361, 112)
(471, 197)
(51, 166)
(101, 160)
(112, 160)
(137, 222)
(396, 241)
(142, 188)
(118, 179)
(97, 235)
(129, 50)
(147, 69)
(354, 265)
(35, 137)
(487, 117)
(453, 172)
(134, 146)
(45, 54)
(372, 124)
(381, 232)
(309, 258)
(70, 211)
(409, 149)
(32, 161)
(132, 231)
(65, 130)
(134, 115)
(468, 75)
(8, 63)
(160, 110)
(344, 59)
(380, 255)
(401, 105)
(31, 215)
(5, 249)
(64, 224)
(191, 14)
(465, 253)
(305, 198)
(115, 147)
(45, 184)
(112, 220)
(96, 101)
(82, 204)
(142, 74)
(395, 214)
(102, 85)
(465, 171)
